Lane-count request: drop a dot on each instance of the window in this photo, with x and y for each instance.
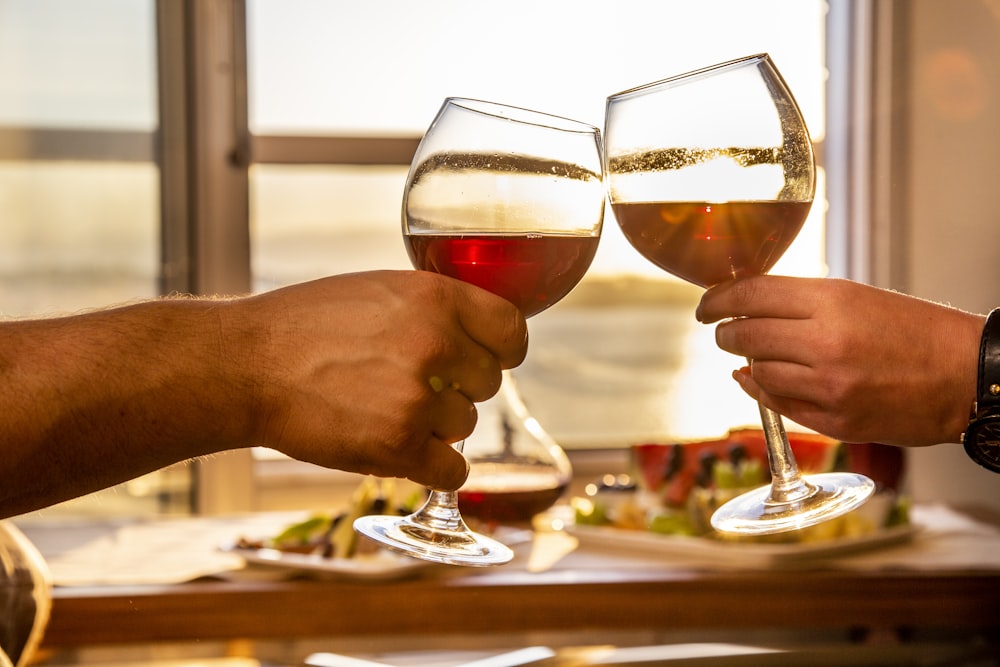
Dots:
(109, 194)
(79, 185)
(608, 366)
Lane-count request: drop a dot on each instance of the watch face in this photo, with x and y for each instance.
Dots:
(982, 442)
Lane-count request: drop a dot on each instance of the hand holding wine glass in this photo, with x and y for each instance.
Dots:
(711, 175)
(512, 201)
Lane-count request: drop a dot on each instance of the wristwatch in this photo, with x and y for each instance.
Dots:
(982, 437)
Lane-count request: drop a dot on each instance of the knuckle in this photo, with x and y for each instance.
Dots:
(432, 346)
(513, 334)
(487, 381)
(734, 336)
(760, 371)
(838, 345)
(743, 335)
(836, 390)
(745, 291)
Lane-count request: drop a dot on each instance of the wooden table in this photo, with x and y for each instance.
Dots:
(510, 599)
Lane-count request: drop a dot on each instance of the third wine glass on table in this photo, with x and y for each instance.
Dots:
(711, 175)
(510, 200)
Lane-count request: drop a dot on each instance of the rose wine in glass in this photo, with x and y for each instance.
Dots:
(711, 175)
(510, 200)
(707, 244)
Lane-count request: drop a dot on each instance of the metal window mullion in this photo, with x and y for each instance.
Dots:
(866, 156)
(202, 145)
(333, 150)
(890, 256)
(218, 139)
(171, 147)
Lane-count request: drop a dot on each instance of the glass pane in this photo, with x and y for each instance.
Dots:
(79, 187)
(622, 359)
(78, 63)
(311, 221)
(611, 364)
(321, 67)
(79, 204)
(76, 235)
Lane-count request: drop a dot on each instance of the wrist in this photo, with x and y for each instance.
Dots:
(191, 387)
(195, 365)
(243, 372)
(964, 366)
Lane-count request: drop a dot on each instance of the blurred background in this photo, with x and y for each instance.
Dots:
(226, 147)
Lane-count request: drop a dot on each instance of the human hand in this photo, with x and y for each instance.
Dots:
(378, 372)
(848, 360)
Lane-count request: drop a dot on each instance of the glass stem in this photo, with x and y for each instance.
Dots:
(440, 512)
(787, 485)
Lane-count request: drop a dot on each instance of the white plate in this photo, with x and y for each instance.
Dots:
(741, 553)
(378, 566)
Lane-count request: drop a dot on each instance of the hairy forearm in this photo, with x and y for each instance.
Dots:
(96, 399)
(334, 372)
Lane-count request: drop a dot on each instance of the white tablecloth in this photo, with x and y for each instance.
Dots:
(163, 551)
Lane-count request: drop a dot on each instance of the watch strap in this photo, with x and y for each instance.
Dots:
(988, 387)
(981, 439)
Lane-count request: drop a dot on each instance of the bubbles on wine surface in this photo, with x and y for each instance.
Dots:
(679, 158)
(498, 163)
(781, 173)
(479, 192)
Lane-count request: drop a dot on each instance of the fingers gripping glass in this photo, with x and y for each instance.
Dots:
(512, 201)
(711, 175)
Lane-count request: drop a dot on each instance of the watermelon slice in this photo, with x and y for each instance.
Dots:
(649, 463)
(813, 452)
(672, 471)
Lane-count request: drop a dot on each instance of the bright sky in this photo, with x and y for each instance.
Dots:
(559, 56)
(369, 66)
(385, 65)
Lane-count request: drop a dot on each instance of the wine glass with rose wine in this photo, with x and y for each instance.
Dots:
(510, 200)
(711, 175)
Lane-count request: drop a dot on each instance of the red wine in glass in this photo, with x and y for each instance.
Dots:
(508, 492)
(532, 271)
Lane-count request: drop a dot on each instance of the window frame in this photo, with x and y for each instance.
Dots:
(204, 150)
(208, 118)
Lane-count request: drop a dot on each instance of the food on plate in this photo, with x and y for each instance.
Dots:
(679, 485)
(332, 535)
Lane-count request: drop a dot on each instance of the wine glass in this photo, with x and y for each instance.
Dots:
(510, 200)
(711, 175)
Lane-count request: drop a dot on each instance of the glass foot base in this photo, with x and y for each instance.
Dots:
(454, 547)
(753, 513)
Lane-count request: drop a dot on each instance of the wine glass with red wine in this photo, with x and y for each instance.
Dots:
(711, 175)
(510, 200)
